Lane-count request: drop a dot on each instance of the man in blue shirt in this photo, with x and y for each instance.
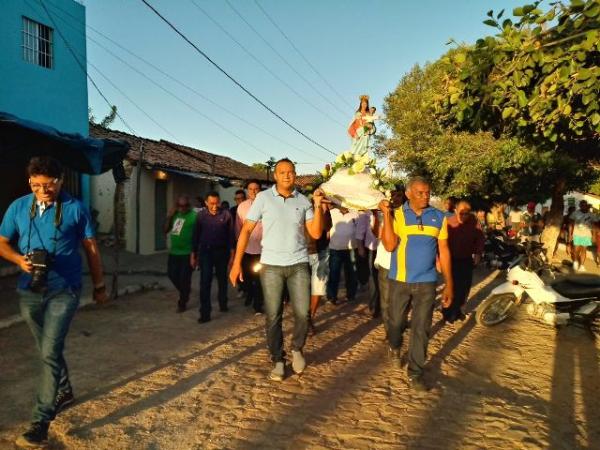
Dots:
(286, 216)
(47, 227)
(416, 234)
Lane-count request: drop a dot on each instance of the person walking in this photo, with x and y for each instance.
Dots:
(251, 258)
(466, 240)
(531, 224)
(48, 227)
(580, 232)
(318, 258)
(286, 216)
(383, 258)
(179, 226)
(212, 245)
(415, 234)
(342, 243)
(367, 243)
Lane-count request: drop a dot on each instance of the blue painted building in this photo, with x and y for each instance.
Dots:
(40, 79)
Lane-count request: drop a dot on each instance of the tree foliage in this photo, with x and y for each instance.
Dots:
(537, 79)
(107, 120)
(459, 163)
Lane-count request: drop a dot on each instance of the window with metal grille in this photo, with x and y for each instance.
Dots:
(37, 43)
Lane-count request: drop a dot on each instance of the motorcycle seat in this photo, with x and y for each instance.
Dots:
(568, 289)
(584, 279)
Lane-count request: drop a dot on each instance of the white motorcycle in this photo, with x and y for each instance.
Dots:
(572, 299)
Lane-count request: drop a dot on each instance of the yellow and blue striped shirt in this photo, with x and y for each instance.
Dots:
(413, 260)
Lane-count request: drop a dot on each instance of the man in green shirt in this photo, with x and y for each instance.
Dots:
(179, 226)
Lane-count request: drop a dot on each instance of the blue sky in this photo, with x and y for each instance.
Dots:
(358, 47)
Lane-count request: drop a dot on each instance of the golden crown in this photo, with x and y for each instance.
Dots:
(364, 97)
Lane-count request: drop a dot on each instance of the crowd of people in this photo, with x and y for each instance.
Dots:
(580, 227)
(278, 247)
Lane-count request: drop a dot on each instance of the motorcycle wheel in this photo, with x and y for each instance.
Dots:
(495, 309)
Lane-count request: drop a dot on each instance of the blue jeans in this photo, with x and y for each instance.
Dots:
(49, 317)
(339, 259)
(297, 279)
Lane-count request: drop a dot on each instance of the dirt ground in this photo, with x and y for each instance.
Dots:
(147, 378)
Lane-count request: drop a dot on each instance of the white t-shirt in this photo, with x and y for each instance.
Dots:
(343, 230)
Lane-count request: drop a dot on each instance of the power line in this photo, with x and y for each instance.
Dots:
(233, 80)
(270, 19)
(311, 85)
(81, 66)
(139, 108)
(258, 61)
(180, 83)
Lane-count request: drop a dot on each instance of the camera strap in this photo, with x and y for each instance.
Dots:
(57, 223)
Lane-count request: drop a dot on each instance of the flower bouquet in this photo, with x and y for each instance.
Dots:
(355, 182)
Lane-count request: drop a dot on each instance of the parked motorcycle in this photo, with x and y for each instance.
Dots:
(499, 250)
(573, 299)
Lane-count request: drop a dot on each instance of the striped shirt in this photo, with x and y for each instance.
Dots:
(413, 260)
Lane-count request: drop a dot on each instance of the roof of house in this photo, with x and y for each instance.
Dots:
(168, 155)
(304, 180)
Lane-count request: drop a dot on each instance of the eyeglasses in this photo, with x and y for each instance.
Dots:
(420, 223)
(46, 186)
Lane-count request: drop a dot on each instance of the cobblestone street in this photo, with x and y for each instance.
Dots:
(147, 378)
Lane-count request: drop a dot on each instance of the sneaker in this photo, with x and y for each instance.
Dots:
(63, 400)
(395, 358)
(35, 437)
(298, 362)
(582, 269)
(418, 384)
(278, 372)
(575, 266)
(333, 301)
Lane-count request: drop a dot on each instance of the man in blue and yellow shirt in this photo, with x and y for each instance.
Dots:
(416, 234)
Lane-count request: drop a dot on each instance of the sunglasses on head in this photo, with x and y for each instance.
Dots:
(420, 223)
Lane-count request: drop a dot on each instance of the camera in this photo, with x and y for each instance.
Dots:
(40, 260)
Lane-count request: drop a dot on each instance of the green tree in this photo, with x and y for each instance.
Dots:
(107, 120)
(536, 80)
(459, 163)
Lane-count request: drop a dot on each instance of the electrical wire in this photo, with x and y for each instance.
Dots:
(264, 66)
(83, 68)
(232, 79)
(191, 89)
(306, 60)
(284, 59)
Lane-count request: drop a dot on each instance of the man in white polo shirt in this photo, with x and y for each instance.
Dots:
(285, 215)
(342, 243)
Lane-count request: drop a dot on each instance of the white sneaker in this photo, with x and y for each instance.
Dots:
(582, 269)
(278, 372)
(575, 266)
(298, 361)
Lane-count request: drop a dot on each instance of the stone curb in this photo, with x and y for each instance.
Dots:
(88, 300)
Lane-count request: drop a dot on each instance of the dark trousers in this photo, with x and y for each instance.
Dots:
(375, 300)
(254, 295)
(297, 280)
(462, 277)
(179, 270)
(383, 288)
(49, 317)
(363, 270)
(421, 298)
(213, 259)
(339, 259)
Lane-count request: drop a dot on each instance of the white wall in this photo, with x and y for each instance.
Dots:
(102, 188)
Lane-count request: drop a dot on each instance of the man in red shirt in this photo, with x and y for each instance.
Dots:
(465, 239)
